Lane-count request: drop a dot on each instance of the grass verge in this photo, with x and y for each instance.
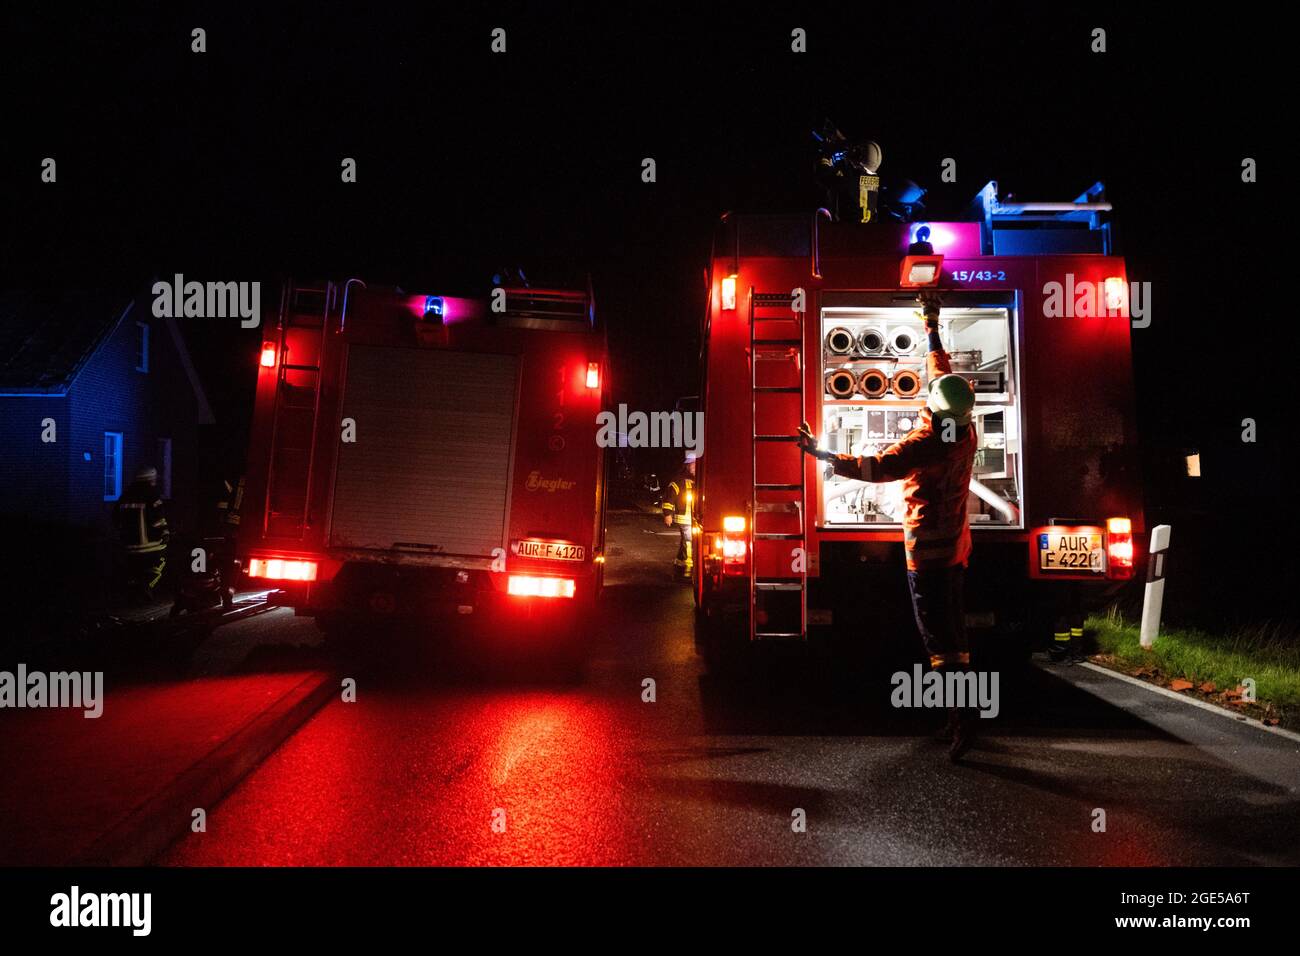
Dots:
(1216, 665)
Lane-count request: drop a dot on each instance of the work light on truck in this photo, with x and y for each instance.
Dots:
(1119, 547)
(528, 585)
(920, 271)
(278, 569)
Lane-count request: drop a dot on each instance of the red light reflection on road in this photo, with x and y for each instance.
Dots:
(408, 779)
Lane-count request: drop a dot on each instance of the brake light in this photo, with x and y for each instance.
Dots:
(528, 585)
(278, 569)
(1119, 547)
(729, 293)
(268, 355)
(593, 375)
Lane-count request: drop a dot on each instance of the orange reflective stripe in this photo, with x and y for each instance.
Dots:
(949, 657)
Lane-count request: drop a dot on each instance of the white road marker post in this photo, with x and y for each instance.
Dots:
(1155, 589)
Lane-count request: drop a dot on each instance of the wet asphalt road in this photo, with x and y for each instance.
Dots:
(443, 761)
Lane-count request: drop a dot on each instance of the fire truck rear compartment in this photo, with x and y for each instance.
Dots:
(886, 359)
(429, 471)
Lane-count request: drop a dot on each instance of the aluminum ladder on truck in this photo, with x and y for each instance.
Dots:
(304, 321)
(777, 508)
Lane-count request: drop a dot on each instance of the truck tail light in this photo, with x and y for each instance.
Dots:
(593, 375)
(268, 354)
(529, 585)
(280, 569)
(732, 544)
(729, 293)
(1119, 547)
(1114, 290)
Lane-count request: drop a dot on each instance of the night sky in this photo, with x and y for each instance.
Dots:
(225, 165)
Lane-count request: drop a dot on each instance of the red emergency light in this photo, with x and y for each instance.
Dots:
(593, 375)
(529, 585)
(268, 355)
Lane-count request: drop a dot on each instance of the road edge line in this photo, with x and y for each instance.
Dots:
(1238, 719)
(153, 826)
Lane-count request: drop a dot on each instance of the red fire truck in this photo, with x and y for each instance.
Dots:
(815, 320)
(425, 455)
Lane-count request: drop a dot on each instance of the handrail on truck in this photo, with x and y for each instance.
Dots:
(814, 243)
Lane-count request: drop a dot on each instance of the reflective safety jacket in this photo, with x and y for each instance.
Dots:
(678, 501)
(936, 480)
(139, 519)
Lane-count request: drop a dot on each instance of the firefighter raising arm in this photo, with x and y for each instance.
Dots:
(922, 448)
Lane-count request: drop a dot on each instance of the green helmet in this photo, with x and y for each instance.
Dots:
(951, 396)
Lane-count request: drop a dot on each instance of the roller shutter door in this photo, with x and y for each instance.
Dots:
(430, 467)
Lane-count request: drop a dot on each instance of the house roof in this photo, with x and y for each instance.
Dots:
(46, 338)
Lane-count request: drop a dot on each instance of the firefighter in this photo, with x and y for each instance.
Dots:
(229, 506)
(228, 511)
(142, 532)
(935, 462)
(676, 505)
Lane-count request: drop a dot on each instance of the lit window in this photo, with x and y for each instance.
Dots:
(112, 466)
(142, 348)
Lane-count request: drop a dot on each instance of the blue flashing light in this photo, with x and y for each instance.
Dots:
(433, 306)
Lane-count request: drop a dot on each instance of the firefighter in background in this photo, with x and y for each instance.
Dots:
(677, 505)
(230, 504)
(935, 462)
(142, 533)
(228, 510)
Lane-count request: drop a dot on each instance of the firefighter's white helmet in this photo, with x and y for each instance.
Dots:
(951, 396)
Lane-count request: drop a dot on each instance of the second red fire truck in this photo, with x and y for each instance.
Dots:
(419, 455)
